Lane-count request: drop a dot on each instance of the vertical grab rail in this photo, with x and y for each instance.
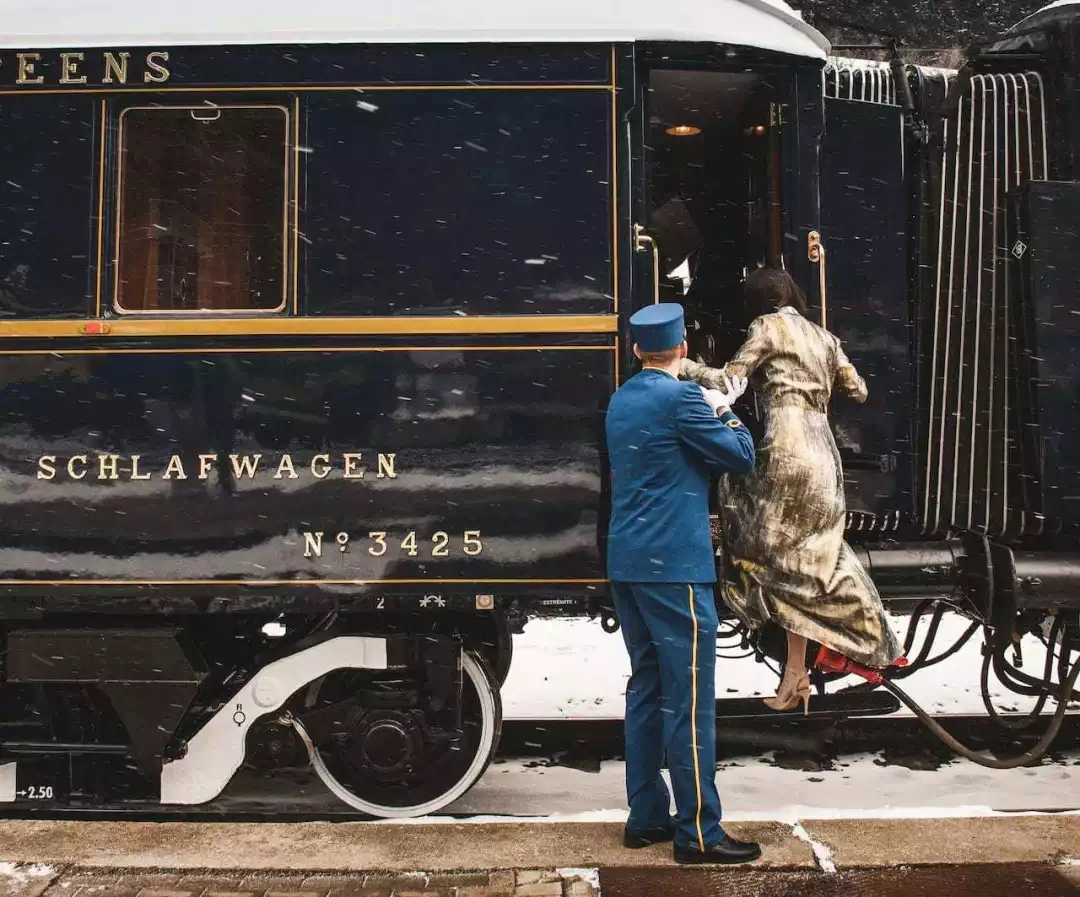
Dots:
(815, 251)
(644, 243)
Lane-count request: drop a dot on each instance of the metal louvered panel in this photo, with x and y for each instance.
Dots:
(851, 79)
(974, 465)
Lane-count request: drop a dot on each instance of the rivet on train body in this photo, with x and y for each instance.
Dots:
(108, 466)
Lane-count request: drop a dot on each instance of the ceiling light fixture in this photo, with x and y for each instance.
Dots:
(684, 131)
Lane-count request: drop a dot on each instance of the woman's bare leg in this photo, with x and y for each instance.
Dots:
(796, 657)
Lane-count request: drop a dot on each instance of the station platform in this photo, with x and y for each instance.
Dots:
(1009, 856)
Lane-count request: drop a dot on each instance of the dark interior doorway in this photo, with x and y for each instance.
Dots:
(713, 196)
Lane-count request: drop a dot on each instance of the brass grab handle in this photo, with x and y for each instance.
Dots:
(815, 251)
(644, 243)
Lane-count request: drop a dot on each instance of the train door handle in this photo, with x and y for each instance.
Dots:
(644, 243)
(815, 251)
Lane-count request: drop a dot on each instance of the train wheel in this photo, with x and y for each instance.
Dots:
(387, 764)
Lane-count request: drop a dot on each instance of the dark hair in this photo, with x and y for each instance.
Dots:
(770, 289)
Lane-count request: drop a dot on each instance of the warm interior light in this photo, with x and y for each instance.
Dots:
(683, 131)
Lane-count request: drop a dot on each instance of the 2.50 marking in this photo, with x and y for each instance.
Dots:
(379, 542)
(36, 792)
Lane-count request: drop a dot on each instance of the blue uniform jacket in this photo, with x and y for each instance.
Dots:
(663, 442)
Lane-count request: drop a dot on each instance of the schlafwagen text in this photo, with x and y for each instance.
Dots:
(347, 465)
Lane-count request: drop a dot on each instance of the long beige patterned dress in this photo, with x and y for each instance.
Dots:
(784, 523)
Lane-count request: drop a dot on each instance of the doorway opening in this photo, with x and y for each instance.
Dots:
(713, 196)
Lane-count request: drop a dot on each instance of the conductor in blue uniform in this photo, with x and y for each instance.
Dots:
(665, 437)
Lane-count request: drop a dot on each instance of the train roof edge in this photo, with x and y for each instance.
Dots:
(761, 24)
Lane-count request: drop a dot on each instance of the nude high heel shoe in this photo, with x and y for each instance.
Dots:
(799, 694)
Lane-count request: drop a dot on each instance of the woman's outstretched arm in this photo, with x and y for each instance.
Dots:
(848, 380)
(754, 350)
(711, 378)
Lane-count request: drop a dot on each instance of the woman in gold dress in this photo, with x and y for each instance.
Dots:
(784, 523)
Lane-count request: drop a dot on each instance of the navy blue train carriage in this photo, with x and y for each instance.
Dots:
(309, 322)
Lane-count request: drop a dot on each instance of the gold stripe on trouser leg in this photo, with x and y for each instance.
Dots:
(693, 722)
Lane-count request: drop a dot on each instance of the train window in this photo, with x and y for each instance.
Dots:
(48, 203)
(202, 210)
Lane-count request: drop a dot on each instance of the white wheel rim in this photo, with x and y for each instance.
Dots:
(484, 748)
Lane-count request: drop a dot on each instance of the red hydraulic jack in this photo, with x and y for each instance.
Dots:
(829, 661)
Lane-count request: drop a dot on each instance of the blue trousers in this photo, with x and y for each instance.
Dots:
(670, 632)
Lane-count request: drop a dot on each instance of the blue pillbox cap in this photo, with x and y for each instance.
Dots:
(657, 328)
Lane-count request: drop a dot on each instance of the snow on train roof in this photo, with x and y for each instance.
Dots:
(1052, 13)
(763, 24)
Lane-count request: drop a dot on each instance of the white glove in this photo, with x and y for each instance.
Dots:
(725, 398)
(736, 387)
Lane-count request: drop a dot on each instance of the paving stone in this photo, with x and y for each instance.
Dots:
(441, 892)
(330, 883)
(357, 888)
(105, 889)
(157, 880)
(536, 876)
(540, 889)
(224, 882)
(866, 843)
(158, 892)
(72, 880)
(501, 883)
(261, 882)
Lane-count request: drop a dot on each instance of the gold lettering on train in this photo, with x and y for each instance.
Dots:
(111, 466)
(82, 459)
(285, 464)
(323, 469)
(70, 67)
(243, 465)
(157, 73)
(27, 63)
(107, 467)
(410, 544)
(116, 68)
(204, 465)
(135, 469)
(353, 471)
(175, 468)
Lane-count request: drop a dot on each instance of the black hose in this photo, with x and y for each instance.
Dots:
(920, 662)
(1025, 722)
(913, 623)
(1019, 682)
(1029, 757)
(960, 642)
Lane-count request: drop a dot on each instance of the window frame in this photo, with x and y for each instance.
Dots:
(289, 242)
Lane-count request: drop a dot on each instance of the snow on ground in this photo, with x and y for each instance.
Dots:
(571, 668)
(860, 786)
(21, 874)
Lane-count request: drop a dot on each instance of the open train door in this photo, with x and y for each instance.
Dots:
(864, 219)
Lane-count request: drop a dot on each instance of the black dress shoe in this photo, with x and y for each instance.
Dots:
(727, 852)
(646, 837)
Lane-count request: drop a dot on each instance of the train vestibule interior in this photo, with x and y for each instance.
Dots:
(713, 197)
